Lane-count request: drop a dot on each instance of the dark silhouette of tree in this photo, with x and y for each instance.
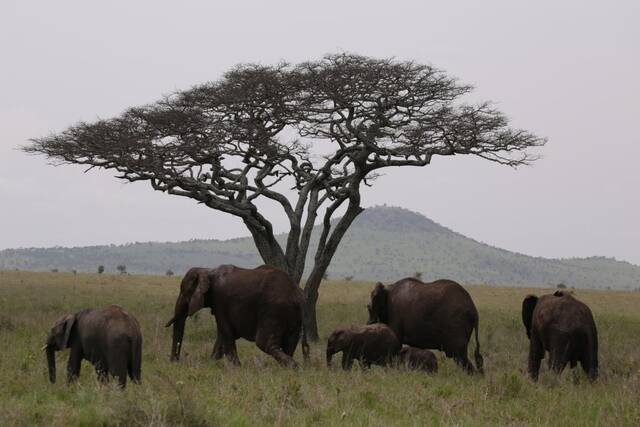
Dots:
(122, 268)
(307, 137)
(100, 269)
(169, 272)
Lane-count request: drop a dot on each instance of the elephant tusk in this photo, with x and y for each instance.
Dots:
(44, 347)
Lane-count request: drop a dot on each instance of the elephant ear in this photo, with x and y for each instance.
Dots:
(528, 305)
(196, 302)
(336, 340)
(378, 310)
(62, 330)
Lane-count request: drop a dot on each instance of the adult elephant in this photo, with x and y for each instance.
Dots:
(262, 305)
(439, 315)
(109, 338)
(563, 326)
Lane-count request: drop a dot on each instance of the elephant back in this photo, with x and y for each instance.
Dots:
(431, 315)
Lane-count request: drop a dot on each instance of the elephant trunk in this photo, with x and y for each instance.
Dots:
(178, 335)
(51, 362)
(330, 353)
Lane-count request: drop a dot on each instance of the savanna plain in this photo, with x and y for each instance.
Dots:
(197, 391)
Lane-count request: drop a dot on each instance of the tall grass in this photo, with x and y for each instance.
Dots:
(199, 391)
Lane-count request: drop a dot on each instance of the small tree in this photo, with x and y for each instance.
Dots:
(307, 137)
(122, 268)
(418, 275)
(169, 272)
(100, 269)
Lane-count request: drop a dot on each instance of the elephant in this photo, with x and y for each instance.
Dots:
(109, 338)
(417, 358)
(439, 315)
(261, 304)
(563, 326)
(369, 344)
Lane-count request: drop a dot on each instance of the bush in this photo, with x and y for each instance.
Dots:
(122, 268)
(169, 272)
(100, 269)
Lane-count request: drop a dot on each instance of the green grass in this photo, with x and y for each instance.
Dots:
(198, 391)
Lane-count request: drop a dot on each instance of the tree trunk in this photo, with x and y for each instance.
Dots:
(310, 299)
(326, 249)
(311, 295)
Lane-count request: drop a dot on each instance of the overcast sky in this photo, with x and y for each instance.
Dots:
(564, 70)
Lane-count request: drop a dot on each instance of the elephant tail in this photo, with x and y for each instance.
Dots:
(477, 356)
(305, 345)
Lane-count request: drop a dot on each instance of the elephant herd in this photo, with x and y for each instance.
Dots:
(407, 320)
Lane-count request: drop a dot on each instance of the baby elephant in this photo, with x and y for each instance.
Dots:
(417, 358)
(369, 344)
(108, 338)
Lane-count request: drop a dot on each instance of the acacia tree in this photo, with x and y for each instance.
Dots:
(305, 136)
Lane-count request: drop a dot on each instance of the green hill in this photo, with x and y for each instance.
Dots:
(384, 243)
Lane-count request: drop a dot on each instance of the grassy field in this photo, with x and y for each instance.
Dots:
(198, 391)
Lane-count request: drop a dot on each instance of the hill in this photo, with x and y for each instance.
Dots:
(384, 243)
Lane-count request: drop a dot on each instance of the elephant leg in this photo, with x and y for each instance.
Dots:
(559, 352)
(74, 364)
(463, 361)
(365, 363)
(102, 370)
(230, 350)
(117, 362)
(536, 353)
(459, 355)
(290, 342)
(347, 360)
(217, 350)
(270, 344)
(134, 363)
(588, 365)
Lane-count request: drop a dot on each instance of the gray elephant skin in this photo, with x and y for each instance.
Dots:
(418, 358)
(262, 305)
(369, 344)
(564, 327)
(109, 338)
(439, 315)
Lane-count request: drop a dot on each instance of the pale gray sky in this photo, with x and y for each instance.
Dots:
(565, 70)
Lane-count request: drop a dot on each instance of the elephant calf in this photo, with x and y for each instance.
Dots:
(369, 344)
(417, 358)
(110, 339)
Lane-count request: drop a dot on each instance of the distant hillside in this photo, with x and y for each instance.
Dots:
(384, 243)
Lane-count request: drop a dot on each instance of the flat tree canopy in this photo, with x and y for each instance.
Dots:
(305, 136)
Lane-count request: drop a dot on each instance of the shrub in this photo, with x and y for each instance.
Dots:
(100, 269)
